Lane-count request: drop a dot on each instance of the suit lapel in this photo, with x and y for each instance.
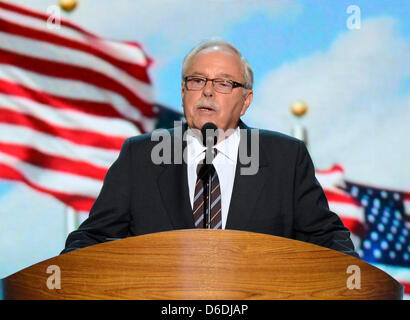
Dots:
(173, 187)
(247, 188)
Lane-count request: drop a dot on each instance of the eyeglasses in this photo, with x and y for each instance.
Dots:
(220, 85)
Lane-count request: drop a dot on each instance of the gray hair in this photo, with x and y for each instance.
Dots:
(247, 70)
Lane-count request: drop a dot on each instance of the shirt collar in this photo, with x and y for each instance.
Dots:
(228, 146)
(194, 145)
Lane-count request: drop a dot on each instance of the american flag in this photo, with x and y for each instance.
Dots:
(378, 218)
(68, 100)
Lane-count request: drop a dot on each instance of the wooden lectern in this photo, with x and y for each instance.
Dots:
(204, 264)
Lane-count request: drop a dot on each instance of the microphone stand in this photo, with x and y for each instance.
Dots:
(205, 173)
(209, 140)
(209, 186)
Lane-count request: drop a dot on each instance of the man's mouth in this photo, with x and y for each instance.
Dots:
(206, 108)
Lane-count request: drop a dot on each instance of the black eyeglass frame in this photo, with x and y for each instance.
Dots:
(234, 83)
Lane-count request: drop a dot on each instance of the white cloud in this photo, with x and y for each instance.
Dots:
(358, 115)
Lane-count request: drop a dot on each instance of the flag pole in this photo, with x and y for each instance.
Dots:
(299, 109)
(71, 220)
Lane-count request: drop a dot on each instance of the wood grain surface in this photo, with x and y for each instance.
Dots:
(202, 264)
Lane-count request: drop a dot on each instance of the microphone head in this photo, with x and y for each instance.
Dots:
(209, 134)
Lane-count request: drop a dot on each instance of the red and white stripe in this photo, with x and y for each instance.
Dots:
(68, 100)
(340, 202)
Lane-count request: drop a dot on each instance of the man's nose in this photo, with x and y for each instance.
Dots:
(208, 90)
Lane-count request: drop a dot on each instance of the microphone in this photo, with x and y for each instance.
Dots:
(209, 133)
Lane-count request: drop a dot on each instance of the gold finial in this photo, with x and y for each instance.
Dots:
(299, 108)
(68, 5)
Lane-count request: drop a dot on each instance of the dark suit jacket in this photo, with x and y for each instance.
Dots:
(283, 199)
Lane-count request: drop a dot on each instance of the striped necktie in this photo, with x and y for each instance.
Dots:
(201, 195)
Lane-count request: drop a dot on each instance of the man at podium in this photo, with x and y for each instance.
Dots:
(213, 185)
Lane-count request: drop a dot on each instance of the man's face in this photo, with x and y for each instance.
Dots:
(211, 63)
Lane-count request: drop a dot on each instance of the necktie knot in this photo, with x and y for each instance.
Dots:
(210, 155)
(204, 170)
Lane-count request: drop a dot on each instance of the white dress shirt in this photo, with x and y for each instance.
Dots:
(224, 163)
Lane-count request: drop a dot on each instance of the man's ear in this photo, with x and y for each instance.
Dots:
(182, 90)
(247, 102)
